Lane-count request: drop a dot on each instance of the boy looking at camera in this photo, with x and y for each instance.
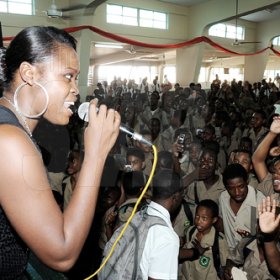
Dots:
(210, 245)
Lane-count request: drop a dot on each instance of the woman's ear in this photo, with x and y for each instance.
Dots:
(27, 72)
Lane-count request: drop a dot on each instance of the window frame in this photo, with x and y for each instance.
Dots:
(18, 7)
(153, 21)
(226, 32)
(276, 41)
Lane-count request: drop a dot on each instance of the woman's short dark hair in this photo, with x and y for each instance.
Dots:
(33, 44)
(233, 171)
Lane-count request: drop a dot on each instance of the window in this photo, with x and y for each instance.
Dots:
(24, 7)
(122, 15)
(136, 17)
(152, 19)
(276, 41)
(227, 31)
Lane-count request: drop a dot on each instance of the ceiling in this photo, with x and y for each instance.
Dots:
(143, 54)
(184, 2)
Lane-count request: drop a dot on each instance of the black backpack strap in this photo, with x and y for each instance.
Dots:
(216, 254)
(188, 211)
(191, 231)
(196, 199)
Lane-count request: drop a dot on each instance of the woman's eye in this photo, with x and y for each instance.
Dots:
(68, 76)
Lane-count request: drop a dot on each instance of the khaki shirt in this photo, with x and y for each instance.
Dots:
(203, 268)
(266, 186)
(255, 269)
(181, 222)
(213, 192)
(253, 181)
(245, 219)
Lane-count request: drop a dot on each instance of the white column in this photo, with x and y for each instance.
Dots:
(188, 63)
(254, 67)
(84, 48)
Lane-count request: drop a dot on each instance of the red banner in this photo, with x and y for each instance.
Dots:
(191, 42)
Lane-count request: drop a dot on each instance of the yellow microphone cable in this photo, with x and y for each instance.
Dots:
(131, 216)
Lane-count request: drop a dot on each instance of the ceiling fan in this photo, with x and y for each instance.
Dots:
(132, 50)
(89, 9)
(236, 42)
(53, 12)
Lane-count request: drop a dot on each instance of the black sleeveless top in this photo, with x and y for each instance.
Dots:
(13, 251)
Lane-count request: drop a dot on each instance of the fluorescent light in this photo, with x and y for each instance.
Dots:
(110, 46)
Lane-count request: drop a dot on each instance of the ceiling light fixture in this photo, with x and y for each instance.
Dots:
(110, 46)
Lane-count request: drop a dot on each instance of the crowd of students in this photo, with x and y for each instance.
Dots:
(211, 210)
(223, 144)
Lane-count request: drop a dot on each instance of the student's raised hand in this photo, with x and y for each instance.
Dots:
(275, 126)
(177, 149)
(268, 220)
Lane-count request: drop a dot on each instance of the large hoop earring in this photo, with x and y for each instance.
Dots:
(16, 102)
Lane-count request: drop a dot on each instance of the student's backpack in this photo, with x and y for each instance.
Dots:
(124, 264)
(215, 249)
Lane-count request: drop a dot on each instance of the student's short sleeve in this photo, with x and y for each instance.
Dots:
(160, 255)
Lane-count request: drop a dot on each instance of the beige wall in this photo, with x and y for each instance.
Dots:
(184, 24)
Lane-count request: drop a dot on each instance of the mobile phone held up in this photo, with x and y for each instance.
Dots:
(181, 140)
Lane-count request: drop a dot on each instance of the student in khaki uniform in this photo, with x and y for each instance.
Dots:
(204, 182)
(132, 184)
(238, 205)
(244, 158)
(250, 256)
(269, 178)
(211, 245)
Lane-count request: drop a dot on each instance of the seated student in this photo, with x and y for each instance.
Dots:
(244, 158)
(213, 249)
(238, 204)
(210, 135)
(148, 152)
(131, 185)
(246, 144)
(135, 159)
(195, 150)
(269, 225)
(204, 182)
(182, 142)
(177, 120)
(258, 129)
(159, 257)
(154, 111)
(269, 181)
(154, 126)
(75, 160)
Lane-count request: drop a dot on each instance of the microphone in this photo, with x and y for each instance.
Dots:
(83, 114)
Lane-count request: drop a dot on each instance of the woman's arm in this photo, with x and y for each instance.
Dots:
(26, 197)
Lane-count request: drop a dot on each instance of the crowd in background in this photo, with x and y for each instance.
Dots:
(198, 134)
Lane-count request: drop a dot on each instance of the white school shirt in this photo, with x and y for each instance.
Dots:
(161, 250)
